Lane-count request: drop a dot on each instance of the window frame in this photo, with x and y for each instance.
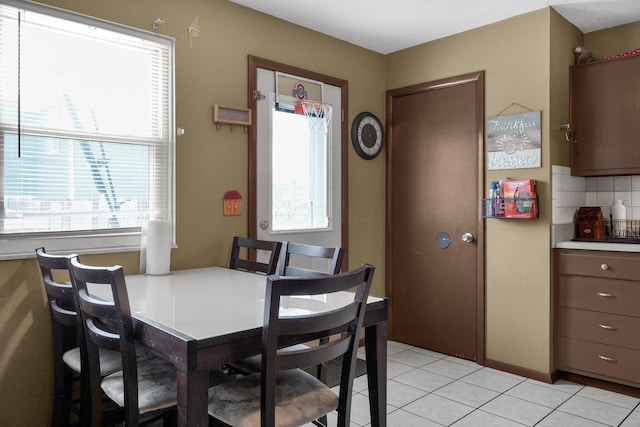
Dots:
(123, 239)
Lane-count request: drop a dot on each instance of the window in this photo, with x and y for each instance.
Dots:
(86, 131)
(301, 174)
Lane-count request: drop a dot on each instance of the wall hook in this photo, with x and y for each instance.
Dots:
(567, 132)
(157, 23)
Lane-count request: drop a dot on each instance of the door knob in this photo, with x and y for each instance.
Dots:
(264, 224)
(467, 237)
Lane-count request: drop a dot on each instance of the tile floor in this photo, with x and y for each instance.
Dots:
(428, 389)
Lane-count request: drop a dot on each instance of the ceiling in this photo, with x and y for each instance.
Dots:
(386, 26)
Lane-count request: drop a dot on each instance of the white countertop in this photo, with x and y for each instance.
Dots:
(599, 246)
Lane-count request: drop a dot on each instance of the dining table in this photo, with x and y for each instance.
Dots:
(199, 319)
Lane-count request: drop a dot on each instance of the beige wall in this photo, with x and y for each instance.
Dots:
(613, 40)
(209, 162)
(515, 56)
(525, 60)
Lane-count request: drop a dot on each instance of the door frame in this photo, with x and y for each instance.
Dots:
(252, 100)
(478, 79)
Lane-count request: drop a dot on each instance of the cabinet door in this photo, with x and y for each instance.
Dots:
(605, 117)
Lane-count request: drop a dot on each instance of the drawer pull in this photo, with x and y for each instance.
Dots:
(607, 327)
(605, 267)
(606, 295)
(607, 358)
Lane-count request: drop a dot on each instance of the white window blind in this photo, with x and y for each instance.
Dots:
(86, 131)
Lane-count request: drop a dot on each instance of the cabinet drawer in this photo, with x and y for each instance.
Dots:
(609, 296)
(621, 331)
(586, 357)
(612, 265)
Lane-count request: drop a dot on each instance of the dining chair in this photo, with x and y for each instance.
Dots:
(247, 264)
(312, 255)
(309, 255)
(282, 394)
(144, 392)
(68, 343)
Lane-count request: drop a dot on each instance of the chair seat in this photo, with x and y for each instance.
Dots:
(300, 398)
(110, 361)
(157, 387)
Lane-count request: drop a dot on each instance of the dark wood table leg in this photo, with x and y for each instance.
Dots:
(192, 398)
(376, 351)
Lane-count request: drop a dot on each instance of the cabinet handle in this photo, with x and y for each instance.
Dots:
(606, 295)
(605, 267)
(607, 358)
(607, 327)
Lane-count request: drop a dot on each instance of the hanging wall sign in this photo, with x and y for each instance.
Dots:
(513, 141)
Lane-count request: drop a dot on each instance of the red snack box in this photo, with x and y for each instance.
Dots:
(520, 199)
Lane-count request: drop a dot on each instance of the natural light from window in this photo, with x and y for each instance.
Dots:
(86, 127)
(300, 175)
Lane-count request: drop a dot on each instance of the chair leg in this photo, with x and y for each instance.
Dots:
(171, 419)
(322, 376)
(62, 387)
(86, 401)
(91, 405)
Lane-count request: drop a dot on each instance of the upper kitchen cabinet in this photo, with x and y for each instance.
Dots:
(605, 117)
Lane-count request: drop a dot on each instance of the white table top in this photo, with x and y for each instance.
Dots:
(206, 302)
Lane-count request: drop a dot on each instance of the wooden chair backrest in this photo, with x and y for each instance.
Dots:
(342, 324)
(62, 307)
(107, 324)
(334, 255)
(251, 245)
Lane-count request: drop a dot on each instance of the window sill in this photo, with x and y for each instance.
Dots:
(23, 246)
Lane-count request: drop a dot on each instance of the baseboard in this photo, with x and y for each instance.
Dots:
(523, 372)
(568, 376)
(598, 383)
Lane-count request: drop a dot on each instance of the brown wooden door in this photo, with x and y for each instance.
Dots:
(435, 176)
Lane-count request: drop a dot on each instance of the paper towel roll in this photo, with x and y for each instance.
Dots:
(158, 247)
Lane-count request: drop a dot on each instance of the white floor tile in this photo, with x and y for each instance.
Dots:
(395, 368)
(395, 347)
(360, 410)
(449, 369)
(491, 380)
(562, 419)
(535, 393)
(518, 410)
(609, 397)
(560, 385)
(429, 389)
(360, 384)
(438, 409)
(412, 358)
(595, 410)
(471, 363)
(480, 418)
(399, 394)
(423, 380)
(468, 394)
(431, 353)
(506, 374)
(633, 420)
(402, 418)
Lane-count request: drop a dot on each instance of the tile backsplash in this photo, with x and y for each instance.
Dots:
(572, 192)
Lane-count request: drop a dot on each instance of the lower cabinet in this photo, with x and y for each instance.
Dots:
(597, 314)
